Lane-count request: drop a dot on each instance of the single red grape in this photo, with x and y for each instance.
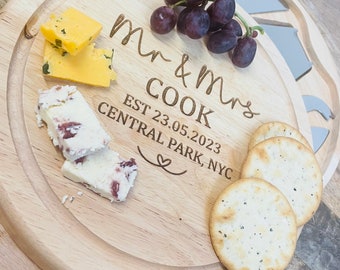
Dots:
(163, 20)
(181, 20)
(244, 52)
(197, 23)
(234, 26)
(222, 11)
(221, 41)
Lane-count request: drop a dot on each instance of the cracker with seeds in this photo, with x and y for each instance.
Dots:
(253, 226)
(274, 129)
(292, 168)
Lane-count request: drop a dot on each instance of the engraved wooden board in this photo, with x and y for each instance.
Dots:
(188, 136)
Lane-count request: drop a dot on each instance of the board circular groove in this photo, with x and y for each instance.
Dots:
(86, 231)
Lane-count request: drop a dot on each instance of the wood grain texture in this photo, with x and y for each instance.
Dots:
(40, 186)
(14, 259)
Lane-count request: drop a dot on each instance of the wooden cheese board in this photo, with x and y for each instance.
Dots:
(189, 142)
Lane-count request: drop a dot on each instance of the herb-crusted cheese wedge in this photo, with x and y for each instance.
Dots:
(253, 226)
(91, 66)
(71, 31)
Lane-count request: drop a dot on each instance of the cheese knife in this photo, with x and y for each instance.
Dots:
(261, 6)
(319, 136)
(287, 42)
(313, 103)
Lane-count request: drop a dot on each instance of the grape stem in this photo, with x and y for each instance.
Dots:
(249, 29)
(179, 3)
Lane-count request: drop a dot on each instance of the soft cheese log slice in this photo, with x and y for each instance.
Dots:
(103, 172)
(274, 129)
(71, 31)
(91, 66)
(71, 123)
(292, 168)
(252, 226)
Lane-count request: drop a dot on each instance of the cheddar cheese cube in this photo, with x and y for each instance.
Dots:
(90, 66)
(71, 31)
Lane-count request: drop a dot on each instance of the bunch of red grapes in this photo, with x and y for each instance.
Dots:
(218, 22)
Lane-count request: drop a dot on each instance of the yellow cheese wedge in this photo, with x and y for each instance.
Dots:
(72, 30)
(91, 66)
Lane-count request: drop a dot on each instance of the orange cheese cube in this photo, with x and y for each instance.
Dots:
(71, 31)
(90, 66)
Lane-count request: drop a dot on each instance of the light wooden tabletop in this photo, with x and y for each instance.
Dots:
(326, 15)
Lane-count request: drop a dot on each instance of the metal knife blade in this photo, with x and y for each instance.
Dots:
(261, 6)
(313, 103)
(286, 40)
(319, 136)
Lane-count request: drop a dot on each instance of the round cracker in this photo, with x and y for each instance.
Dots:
(275, 129)
(292, 168)
(252, 226)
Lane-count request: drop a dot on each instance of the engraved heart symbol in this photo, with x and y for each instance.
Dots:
(163, 161)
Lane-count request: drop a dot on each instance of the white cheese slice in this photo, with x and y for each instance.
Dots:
(103, 172)
(71, 123)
